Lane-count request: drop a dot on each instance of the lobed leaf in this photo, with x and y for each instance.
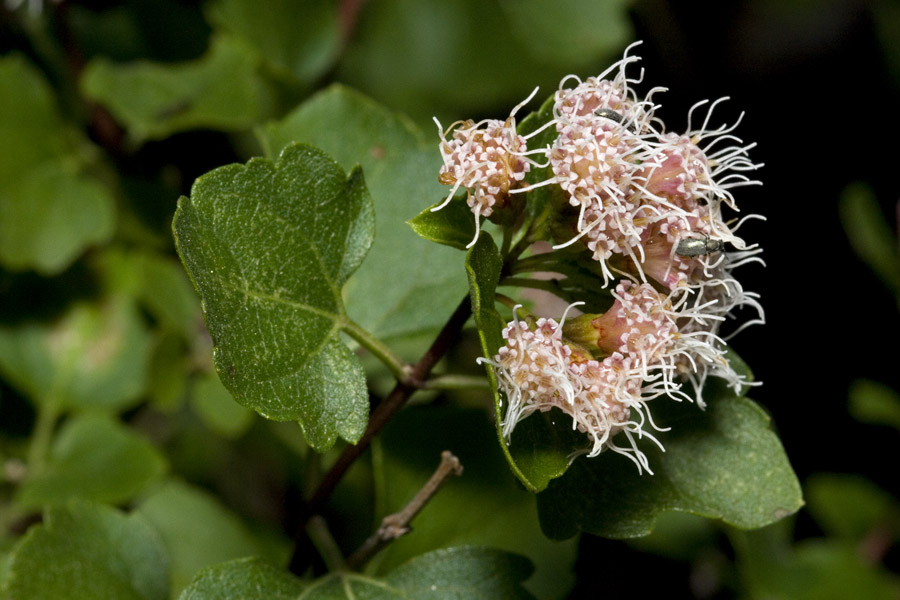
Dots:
(84, 551)
(220, 90)
(403, 271)
(451, 574)
(722, 463)
(49, 211)
(269, 247)
(96, 458)
(246, 578)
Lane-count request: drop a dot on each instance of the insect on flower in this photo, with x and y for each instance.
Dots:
(699, 246)
(610, 114)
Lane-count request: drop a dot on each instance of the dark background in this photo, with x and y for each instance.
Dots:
(821, 102)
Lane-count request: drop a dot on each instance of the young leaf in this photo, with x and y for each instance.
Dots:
(220, 90)
(723, 463)
(198, 531)
(96, 458)
(49, 211)
(451, 574)
(85, 551)
(403, 271)
(269, 247)
(538, 453)
(453, 225)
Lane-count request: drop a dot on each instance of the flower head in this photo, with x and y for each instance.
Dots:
(487, 158)
(539, 371)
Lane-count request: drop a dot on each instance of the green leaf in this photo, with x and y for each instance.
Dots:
(506, 518)
(450, 574)
(167, 294)
(850, 507)
(96, 458)
(32, 128)
(679, 536)
(49, 211)
(817, 570)
(468, 57)
(538, 453)
(269, 246)
(875, 403)
(217, 409)
(157, 282)
(197, 531)
(573, 30)
(49, 216)
(403, 271)
(723, 463)
(86, 551)
(94, 357)
(167, 373)
(453, 225)
(483, 266)
(220, 90)
(247, 579)
(463, 572)
(298, 40)
(870, 235)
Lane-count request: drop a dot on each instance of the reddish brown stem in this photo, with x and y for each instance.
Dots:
(386, 409)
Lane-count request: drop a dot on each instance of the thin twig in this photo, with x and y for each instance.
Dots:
(377, 420)
(320, 536)
(396, 525)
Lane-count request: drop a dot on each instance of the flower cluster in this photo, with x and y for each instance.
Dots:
(647, 206)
